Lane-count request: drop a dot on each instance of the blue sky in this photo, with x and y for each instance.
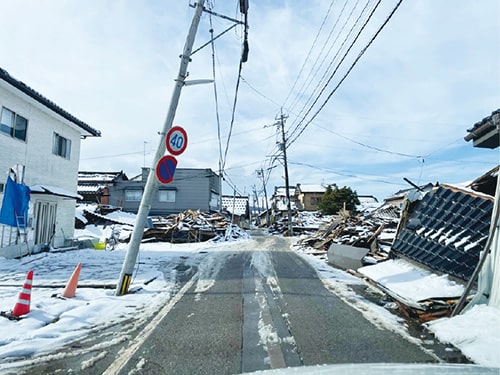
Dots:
(403, 110)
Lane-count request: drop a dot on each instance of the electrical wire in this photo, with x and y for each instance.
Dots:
(309, 53)
(212, 44)
(349, 70)
(314, 71)
(240, 67)
(334, 72)
(368, 146)
(346, 174)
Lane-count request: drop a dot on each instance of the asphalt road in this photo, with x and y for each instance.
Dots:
(247, 321)
(256, 308)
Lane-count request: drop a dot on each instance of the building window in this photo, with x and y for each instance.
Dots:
(62, 146)
(12, 124)
(133, 195)
(166, 196)
(2, 188)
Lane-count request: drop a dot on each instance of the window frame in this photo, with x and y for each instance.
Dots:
(61, 146)
(18, 127)
(168, 192)
(129, 197)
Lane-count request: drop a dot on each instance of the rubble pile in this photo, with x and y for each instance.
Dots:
(374, 231)
(303, 222)
(187, 226)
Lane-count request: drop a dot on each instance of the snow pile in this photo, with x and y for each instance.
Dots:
(54, 322)
(476, 333)
(399, 277)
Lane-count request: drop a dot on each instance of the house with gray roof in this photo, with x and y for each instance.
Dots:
(191, 189)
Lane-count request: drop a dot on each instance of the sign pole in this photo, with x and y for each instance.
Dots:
(152, 183)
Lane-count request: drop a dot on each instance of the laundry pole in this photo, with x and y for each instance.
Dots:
(152, 183)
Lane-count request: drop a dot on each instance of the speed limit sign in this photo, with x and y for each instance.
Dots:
(176, 140)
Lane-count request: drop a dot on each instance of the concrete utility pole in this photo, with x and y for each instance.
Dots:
(152, 183)
(281, 121)
(260, 173)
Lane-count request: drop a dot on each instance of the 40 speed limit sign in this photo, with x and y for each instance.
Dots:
(176, 140)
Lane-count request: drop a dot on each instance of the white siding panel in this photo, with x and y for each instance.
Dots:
(41, 165)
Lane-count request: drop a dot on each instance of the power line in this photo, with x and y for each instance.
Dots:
(334, 72)
(308, 81)
(215, 92)
(350, 69)
(368, 146)
(243, 59)
(346, 174)
(310, 51)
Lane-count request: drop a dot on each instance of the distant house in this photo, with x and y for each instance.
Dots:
(191, 189)
(236, 205)
(239, 209)
(279, 200)
(40, 141)
(94, 186)
(307, 196)
(367, 203)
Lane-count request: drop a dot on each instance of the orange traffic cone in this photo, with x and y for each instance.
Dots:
(69, 291)
(22, 306)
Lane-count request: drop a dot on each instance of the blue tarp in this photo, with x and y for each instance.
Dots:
(15, 204)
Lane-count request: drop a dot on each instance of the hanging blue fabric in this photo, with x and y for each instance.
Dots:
(15, 204)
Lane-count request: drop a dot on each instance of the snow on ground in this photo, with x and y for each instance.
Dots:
(54, 322)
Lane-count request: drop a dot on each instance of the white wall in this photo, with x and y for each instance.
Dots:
(41, 165)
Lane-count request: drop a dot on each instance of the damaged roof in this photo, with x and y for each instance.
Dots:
(446, 230)
(21, 86)
(486, 133)
(85, 177)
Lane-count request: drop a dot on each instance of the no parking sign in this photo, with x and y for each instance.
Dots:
(165, 169)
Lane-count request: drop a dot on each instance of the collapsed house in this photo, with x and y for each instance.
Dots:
(186, 226)
(441, 233)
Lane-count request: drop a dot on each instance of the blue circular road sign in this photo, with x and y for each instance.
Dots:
(165, 169)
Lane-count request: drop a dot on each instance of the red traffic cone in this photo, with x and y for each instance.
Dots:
(70, 290)
(22, 306)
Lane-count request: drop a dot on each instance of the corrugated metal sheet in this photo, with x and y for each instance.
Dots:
(446, 230)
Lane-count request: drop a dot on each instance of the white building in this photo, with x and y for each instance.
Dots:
(41, 141)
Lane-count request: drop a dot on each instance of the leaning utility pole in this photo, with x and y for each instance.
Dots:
(281, 121)
(152, 183)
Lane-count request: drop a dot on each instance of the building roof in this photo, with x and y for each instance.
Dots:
(446, 230)
(486, 133)
(99, 177)
(310, 188)
(404, 192)
(281, 191)
(487, 183)
(5, 76)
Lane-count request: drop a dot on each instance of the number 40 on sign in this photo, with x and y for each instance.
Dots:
(176, 140)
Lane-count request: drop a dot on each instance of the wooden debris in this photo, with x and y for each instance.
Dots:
(187, 226)
(374, 233)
